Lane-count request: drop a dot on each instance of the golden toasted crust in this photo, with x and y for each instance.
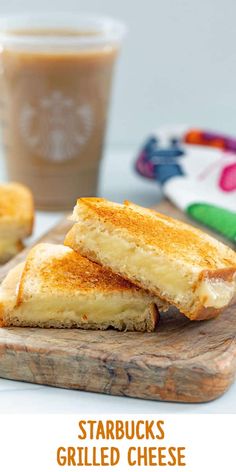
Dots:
(205, 269)
(8, 292)
(227, 274)
(69, 271)
(169, 235)
(70, 239)
(16, 208)
(203, 313)
(13, 314)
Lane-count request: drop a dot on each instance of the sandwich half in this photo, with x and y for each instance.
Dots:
(16, 218)
(175, 261)
(56, 287)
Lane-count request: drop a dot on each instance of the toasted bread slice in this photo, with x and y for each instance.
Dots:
(173, 260)
(9, 248)
(59, 288)
(16, 211)
(16, 218)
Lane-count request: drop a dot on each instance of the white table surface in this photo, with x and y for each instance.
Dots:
(118, 182)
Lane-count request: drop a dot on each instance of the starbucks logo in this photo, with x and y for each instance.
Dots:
(56, 128)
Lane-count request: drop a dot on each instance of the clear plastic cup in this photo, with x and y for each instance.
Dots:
(56, 75)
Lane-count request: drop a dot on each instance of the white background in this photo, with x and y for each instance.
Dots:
(178, 62)
(31, 442)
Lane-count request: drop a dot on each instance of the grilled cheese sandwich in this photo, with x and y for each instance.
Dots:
(9, 248)
(56, 287)
(16, 218)
(173, 260)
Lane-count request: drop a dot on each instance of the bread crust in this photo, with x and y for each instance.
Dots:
(204, 313)
(14, 294)
(214, 260)
(225, 274)
(162, 232)
(72, 270)
(16, 218)
(149, 324)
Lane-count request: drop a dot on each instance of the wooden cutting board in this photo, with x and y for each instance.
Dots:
(182, 361)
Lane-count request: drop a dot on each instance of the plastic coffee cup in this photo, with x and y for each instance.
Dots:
(56, 75)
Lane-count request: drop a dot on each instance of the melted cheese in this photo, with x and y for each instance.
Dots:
(85, 308)
(152, 270)
(139, 264)
(216, 293)
(98, 309)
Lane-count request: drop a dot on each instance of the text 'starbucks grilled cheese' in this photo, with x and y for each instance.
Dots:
(175, 261)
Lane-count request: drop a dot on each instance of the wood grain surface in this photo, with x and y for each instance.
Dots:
(182, 361)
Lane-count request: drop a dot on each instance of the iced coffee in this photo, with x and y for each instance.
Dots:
(55, 92)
